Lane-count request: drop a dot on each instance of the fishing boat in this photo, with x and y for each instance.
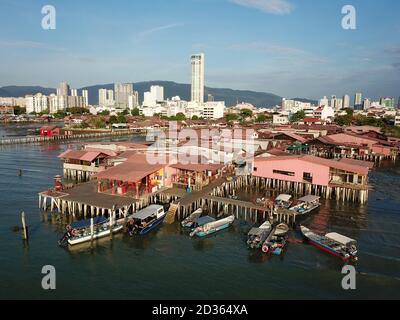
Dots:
(213, 227)
(336, 244)
(84, 230)
(277, 240)
(202, 221)
(145, 220)
(257, 236)
(189, 221)
(306, 205)
(283, 201)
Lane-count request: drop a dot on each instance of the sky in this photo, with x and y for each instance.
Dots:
(293, 48)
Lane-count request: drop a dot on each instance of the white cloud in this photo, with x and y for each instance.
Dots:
(160, 28)
(278, 7)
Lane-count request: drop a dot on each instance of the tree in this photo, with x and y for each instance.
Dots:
(121, 118)
(195, 117)
(125, 112)
(180, 116)
(135, 112)
(18, 110)
(113, 119)
(77, 110)
(98, 123)
(105, 113)
(231, 117)
(246, 113)
(261, 118)
(299, 115)
(59, 114)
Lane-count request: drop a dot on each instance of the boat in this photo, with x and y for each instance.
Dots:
(277, 240)
(306, 205)
(145, 220)
(283, 201)
(281, 229)
(257, 236)
(84, 230)
(188, 222)
(202, 221)
(334, 243)
(213, 227)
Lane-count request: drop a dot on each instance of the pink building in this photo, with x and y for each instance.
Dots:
(312, 170)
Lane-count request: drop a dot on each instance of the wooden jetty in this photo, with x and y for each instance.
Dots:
(39, 139)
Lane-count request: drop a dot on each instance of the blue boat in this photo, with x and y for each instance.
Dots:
(145, 220)
(213, 227)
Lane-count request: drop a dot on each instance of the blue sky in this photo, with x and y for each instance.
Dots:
(293, 48)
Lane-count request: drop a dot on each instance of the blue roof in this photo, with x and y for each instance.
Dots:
(86, 223)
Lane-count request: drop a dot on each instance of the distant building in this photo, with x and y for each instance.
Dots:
(85, 95)
(106, 98)
(358, 101)
(74, 92)
(122, 92)
(197, 89)
(323, 102)
(210, 98)
(366, 104)
(6, 110)
(324, 113)
(63, 89)
(280, 119)
(387, 102)
(36, 103)
(133, 100)
(397, 121)
(346, 101)
(213, 110)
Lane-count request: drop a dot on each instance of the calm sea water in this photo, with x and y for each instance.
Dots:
(168, 264)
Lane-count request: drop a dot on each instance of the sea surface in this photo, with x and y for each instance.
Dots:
(167, 264)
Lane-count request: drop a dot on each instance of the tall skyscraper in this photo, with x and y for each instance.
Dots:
(398, 104)
(157, 93)
(85, 95)
(106, 98)
(358, 99)
(74, 92)
(346, 101)
(198, 78)
(63, 89)
(122, 91)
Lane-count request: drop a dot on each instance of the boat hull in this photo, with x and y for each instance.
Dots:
(151, 226)
(328, 250)
(202, 234)
(97, 235)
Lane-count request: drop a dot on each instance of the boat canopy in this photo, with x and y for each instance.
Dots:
(147, 212)
(204, 220)
(309, 199)
(340, 238)
(256, 232)
(284, 197)
(81, 224)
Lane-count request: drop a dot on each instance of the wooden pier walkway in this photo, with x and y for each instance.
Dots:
(39, 139)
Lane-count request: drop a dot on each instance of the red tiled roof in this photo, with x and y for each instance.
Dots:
(134, 169)
(85, 155)
(367, 164)
(198, 167)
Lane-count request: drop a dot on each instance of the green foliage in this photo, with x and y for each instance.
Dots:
(195, 118)
(77, 110)
(299, 115)
(121, 118)
(231, 117)
(261, 118)
(18, 110)
(59, 114)
(113, 119)
(180, 116)
(98, 123)
(246, 113)
(105, 113)
(135, 112)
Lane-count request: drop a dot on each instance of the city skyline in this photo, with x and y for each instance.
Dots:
(309, 63)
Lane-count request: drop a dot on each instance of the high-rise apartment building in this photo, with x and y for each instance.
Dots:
(197, 92)
(122, 91)
(358, 100)
(346, 101)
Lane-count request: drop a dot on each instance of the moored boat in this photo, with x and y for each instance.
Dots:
(277, 240)
(283, 201)
(84, 230)
(213, 227)
(257, 236)
(336, 244)
(145, 220)
(306, 205)
(189, 221)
